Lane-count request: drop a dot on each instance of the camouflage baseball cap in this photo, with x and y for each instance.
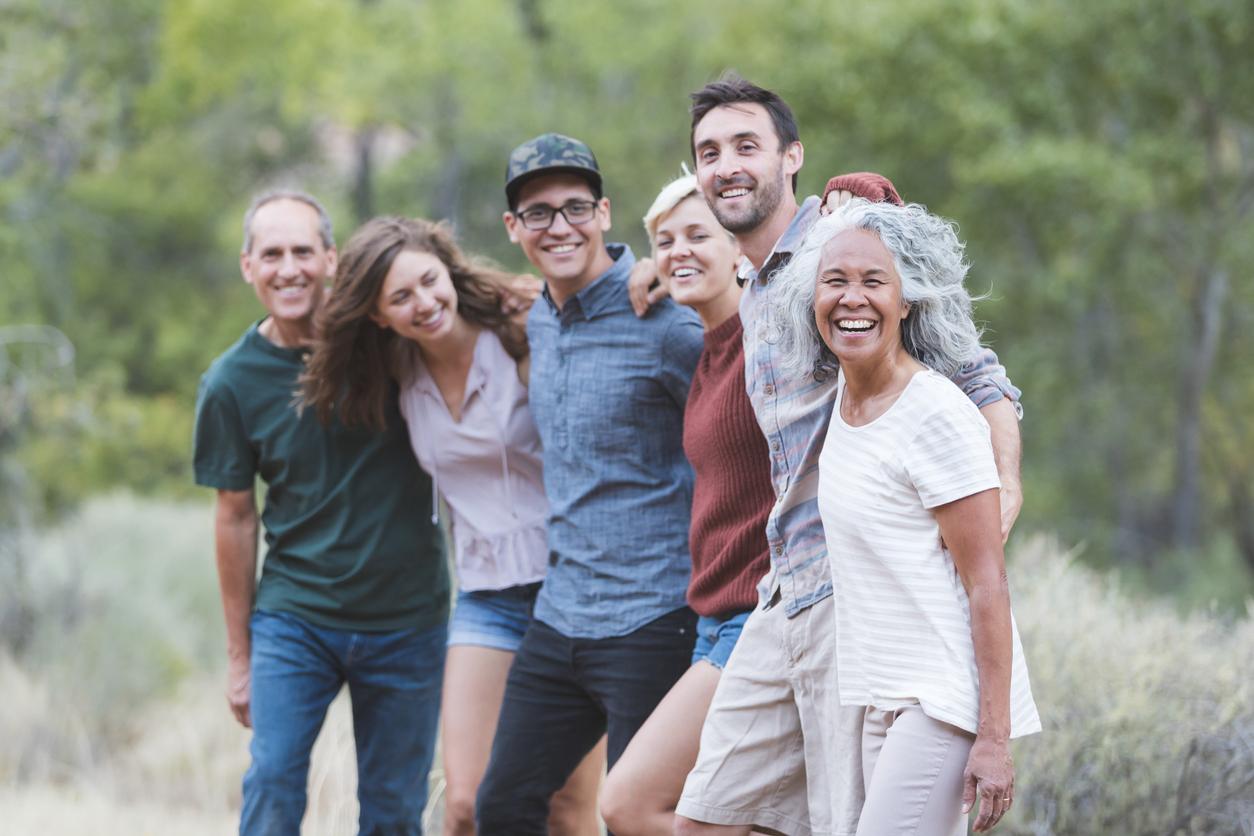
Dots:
(550, 154)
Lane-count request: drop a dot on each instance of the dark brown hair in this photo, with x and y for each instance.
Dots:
(355, 363)
(730, 89)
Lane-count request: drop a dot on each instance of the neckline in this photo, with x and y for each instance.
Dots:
(840, 399)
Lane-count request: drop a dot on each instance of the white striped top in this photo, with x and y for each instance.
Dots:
(903, 618)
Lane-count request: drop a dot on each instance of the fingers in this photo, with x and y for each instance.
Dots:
(639, 296)
(1011, 504)
(657, 294)
(835, 200)
(243, 715)
(995, 801)
(968, 792)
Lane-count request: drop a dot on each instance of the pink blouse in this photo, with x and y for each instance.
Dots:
(486, 466)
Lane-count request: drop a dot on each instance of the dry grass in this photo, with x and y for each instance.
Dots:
(115, 723)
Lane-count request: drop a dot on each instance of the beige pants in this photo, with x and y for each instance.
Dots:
(912, 766)
(777, 749)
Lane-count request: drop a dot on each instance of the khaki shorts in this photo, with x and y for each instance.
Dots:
(777, 749)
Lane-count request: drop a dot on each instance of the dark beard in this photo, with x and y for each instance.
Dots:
(765, 200)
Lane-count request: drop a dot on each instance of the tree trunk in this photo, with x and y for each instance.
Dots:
(1207, 319)
(363, 175)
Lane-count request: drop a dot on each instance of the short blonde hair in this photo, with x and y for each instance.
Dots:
(673, 193)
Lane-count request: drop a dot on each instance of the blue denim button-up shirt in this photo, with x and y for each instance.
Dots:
(794, 414)
(608, 392)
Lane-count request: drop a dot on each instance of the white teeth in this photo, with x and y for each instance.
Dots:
(737, 192)
(683, 273)
(562, 248)
(434, 317)
(855, 324)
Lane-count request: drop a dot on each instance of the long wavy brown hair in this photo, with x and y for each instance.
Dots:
(355, 363)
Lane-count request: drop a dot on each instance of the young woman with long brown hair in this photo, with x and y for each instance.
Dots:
(409, 309)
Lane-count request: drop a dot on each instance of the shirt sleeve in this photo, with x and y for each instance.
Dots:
(984, 381)
(222, 455)
(951, 456)
(681, 349)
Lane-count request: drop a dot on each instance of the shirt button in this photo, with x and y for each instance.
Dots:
(775, 446)
(768, 390)
(779, 550)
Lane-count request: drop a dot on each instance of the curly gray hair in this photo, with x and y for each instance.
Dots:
(940, 332)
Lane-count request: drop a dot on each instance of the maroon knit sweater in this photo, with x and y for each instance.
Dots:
(733, 493)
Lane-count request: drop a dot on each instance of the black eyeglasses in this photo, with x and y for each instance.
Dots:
(541, 215)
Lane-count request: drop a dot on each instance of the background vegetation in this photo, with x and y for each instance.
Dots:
(1099, 157)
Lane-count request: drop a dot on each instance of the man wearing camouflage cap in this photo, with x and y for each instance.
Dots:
(611, 631)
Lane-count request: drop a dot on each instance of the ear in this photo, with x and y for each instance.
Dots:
(905, 310)
(511, 226)
(333, 261)
(378, 320)
(604, 206)
(794, 156)
(245, 264)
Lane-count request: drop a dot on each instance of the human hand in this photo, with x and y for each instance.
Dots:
(835, 200)
(645, 286)
(239, 690)
(519, 293)
(1011, 496)
(990, 774)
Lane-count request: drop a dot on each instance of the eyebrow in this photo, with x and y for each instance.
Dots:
(870, 271)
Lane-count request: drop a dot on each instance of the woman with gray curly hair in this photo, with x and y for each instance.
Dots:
(908, 493)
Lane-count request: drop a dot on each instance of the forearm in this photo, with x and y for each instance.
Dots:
(236, 548)
(989, 598)
(1003, 425)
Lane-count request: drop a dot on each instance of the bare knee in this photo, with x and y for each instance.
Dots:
(616, 807)
(459, 814)
(573, 818)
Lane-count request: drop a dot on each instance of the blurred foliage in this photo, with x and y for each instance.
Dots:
(1099, 156)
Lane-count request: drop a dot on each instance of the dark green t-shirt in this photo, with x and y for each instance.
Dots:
(350, 542)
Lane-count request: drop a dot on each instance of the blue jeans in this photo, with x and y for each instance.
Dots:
(494, 618)
(394, 681)
(716, 638)
(561, 696)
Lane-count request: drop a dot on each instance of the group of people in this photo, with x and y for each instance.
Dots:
(727, 520)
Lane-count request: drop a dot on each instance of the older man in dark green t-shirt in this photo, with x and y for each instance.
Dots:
(354, 587)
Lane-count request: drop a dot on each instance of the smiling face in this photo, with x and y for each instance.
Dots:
(287, 263)
(743, 171)
(858, 306)
(695, 254)
(569, 256)
(417, 299)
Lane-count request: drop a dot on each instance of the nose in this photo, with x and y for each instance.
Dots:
(852, 296)
(560, 225)
(288, 266)
(727, 167)
(423, 299)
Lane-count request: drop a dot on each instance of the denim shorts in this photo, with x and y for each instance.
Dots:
(495, 618)
(716, 637)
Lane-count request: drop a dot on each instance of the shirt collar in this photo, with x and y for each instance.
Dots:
(787, 244)
(605, 290)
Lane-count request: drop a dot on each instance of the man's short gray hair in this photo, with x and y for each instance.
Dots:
(324, 220)
(939, 332)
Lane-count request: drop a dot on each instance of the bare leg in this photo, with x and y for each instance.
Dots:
(474, 685)
(573, 810)
(641, 791)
